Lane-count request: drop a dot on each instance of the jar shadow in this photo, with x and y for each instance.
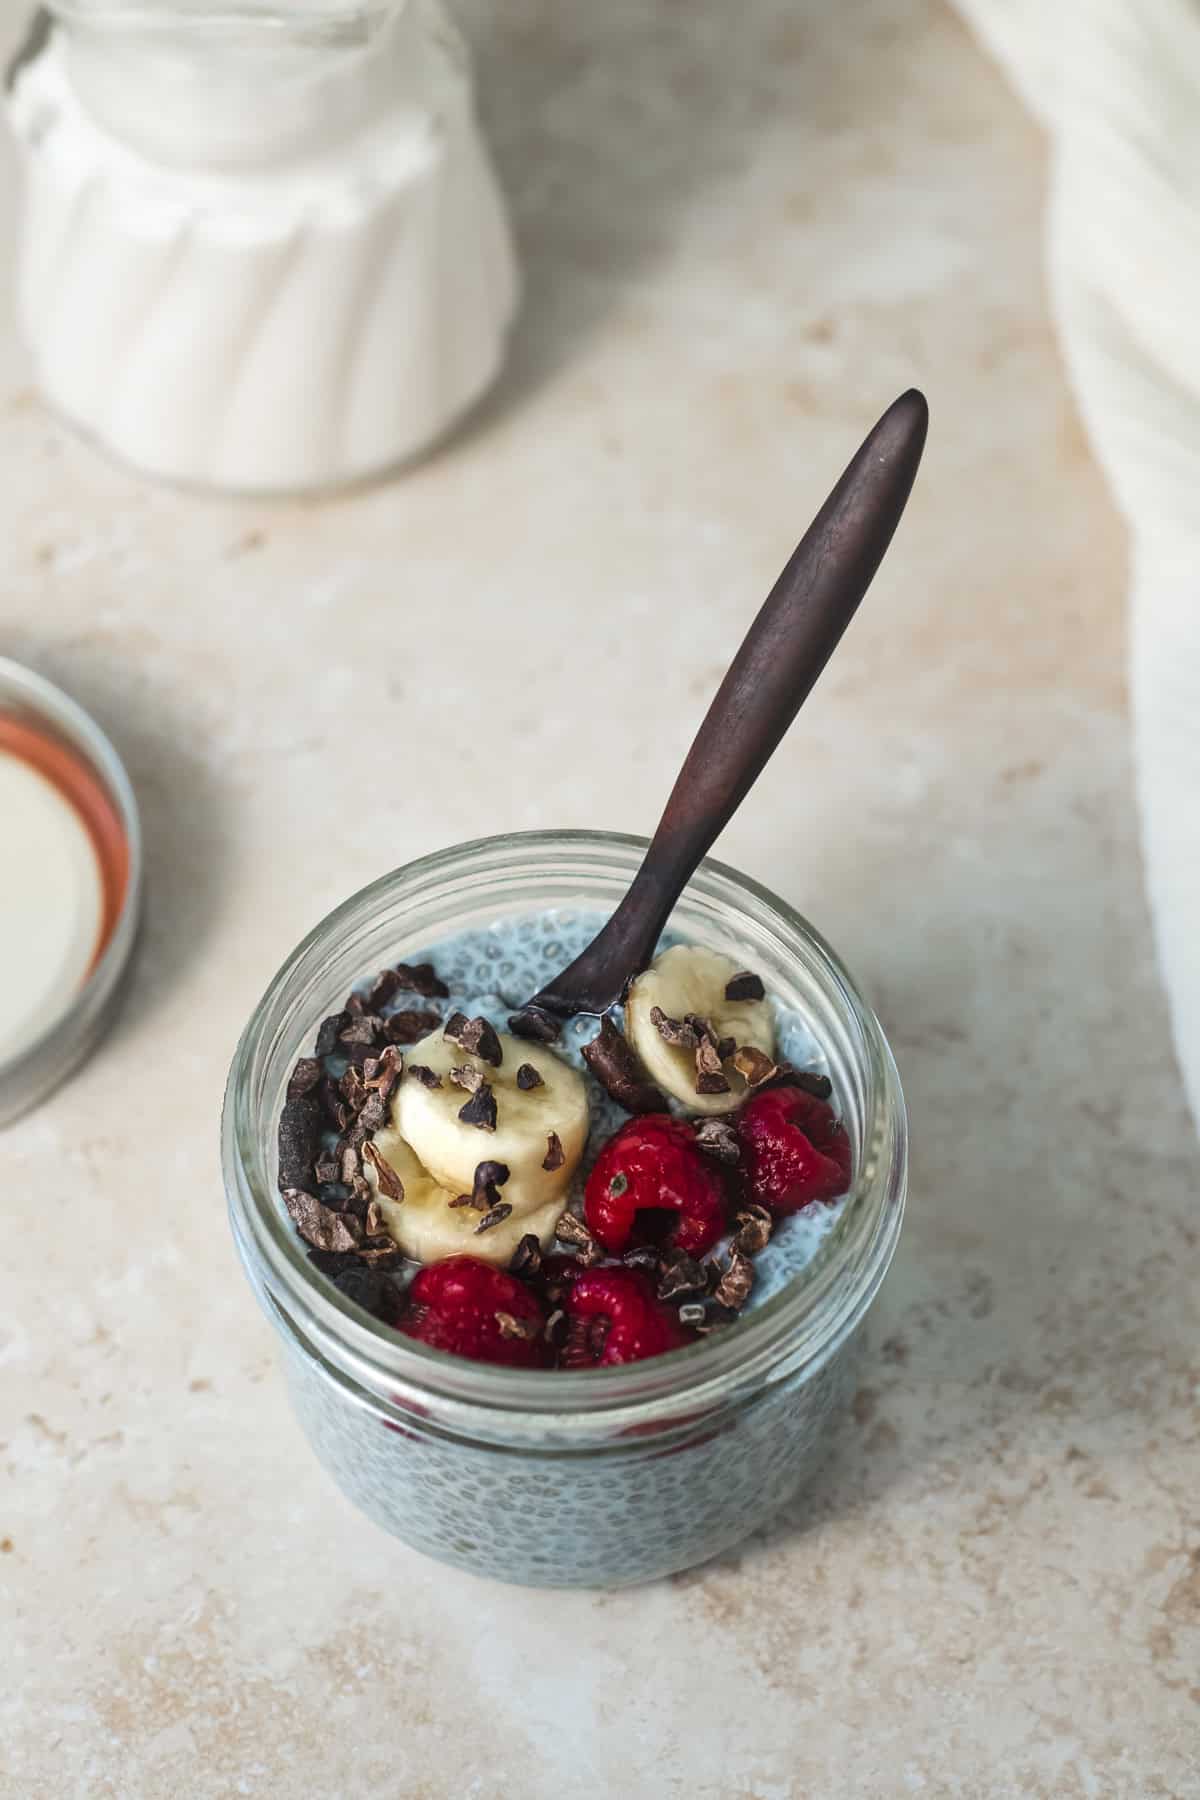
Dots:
(1036, 1329)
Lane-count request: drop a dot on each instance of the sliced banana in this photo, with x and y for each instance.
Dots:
(689, 978)
(534, 1126)
(426, 1226)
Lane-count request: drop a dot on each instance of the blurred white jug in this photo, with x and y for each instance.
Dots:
(263, 248)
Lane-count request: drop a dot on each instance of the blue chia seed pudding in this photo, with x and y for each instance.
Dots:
(338, 1182)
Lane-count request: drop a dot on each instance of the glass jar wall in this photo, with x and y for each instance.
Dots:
(604, 1476)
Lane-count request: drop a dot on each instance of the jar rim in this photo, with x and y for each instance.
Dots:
(797, 1328)
(37, 1065)
(315, 17)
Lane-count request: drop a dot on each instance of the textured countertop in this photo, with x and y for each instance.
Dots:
(740, 240)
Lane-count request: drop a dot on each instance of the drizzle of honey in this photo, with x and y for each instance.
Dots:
(83, 789)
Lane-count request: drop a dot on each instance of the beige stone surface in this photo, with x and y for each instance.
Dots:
(745, 228)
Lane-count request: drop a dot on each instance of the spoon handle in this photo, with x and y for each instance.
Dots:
(783, 653)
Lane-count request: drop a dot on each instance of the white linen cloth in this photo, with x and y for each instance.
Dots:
(1116, 83)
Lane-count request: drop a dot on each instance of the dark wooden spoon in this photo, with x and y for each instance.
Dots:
(783, 653)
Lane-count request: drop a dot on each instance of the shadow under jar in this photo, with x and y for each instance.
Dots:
(600, 1477)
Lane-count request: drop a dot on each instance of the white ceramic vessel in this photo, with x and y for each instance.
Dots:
(260, 252)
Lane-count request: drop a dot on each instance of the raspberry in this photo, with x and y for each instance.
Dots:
(653, 1167)
(613, 1316)
(472, 1309)
(794, 1150)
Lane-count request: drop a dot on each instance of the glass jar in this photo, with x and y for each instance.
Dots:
(599, 1477)
(263, 248)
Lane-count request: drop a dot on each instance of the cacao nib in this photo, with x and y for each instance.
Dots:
(384, 1071)
(327, 1168)
(745, 987)
(478, 1037)
(819, 1086)
(329, 1033)
(574, 1232)
(753, 1065)
(527, 1257)
(480, 1109)
(366, 1029)
(299, 1140)
(613, 1062)
(710, 1078)
(390, 1184)
(420, 1072)
(381, 1254)
(421, 978)
(335, 1108)
(318, 1225)
(407, 1026)
(496, 1216)
(711, 1084)
(304, 1077)
(681, 1274)
(733, 1289)
(719, 1140)
(754, 1230)
(374, 1112)
(367, 1287)
(381, 990)
(332, 1262)
(490, 1177)
(674, 1031)
(353, 1089)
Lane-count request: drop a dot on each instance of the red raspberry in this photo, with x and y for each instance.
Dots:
(652, 1166)
(794, 1150)
(614, 1316)
(472, 1309)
